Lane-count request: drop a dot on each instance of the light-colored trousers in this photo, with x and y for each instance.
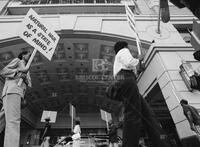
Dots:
(10, 118)
(113, 144)
(76, 143)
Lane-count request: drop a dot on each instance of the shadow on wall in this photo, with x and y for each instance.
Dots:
(2, 138)
(192, 141)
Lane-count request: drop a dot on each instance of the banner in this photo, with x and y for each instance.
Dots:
(105, 116)
(35, 32)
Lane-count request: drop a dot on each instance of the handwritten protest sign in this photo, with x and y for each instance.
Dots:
(34, 31)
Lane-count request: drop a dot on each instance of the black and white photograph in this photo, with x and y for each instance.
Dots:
(99, 73)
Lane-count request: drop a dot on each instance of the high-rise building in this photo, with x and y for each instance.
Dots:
(88, 29)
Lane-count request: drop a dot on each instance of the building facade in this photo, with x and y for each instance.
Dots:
(88, 29)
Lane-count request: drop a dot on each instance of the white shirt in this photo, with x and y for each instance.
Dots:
(77, 129)
(124, 60)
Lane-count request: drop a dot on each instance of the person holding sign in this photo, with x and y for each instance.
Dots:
(12, 95)
(136, 110)
(125, 67)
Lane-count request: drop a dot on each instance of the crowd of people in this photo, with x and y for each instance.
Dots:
(125, 89)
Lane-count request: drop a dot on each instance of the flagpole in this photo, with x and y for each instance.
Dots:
(132, 23)
(72, 122)
(159, 13)
(138, 44)
(106, 119)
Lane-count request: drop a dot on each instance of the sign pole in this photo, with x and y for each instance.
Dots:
(72, 117)
(49, 114)
(106, 119)
(138, 44)
(28, 64)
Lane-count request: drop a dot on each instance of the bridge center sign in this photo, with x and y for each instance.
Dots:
(34, 31)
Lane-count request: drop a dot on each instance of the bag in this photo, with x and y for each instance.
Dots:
(189, 76)
(76, 136)
(111, 91)
(195, 82)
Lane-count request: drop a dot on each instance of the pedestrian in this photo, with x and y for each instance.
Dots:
(192, 116)
(12, 95)
(45, 142)
(77, 134)
(112, 133)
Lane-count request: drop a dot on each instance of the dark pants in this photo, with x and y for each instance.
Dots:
(136, 112)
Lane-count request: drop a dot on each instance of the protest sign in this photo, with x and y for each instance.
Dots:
(35, 32)
(51, 115)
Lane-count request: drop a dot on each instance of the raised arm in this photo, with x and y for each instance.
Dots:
(22, 67)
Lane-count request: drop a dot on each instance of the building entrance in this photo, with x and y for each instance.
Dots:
(159, 107)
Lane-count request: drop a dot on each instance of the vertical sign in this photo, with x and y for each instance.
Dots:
(72, 113)
(132, 23)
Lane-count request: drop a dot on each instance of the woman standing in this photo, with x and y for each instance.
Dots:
(12, 94)
(77, 134)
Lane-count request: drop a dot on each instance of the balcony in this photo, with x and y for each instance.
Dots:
(21, 7)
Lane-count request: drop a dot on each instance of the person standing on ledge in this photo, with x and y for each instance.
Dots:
(10, 114)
